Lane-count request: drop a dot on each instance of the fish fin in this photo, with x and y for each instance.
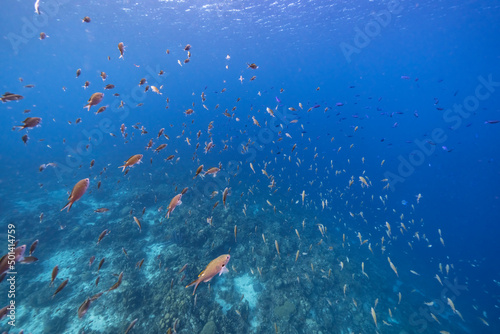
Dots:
(223, 270)
(87, 106)
(69, 205)
(123, 167)
(201, 273)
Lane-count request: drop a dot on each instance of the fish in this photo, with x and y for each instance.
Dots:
(198, 171)
(5, 263)
(102, 235)
(224, 196)
(393, 267)
(84, 308)
(100, 264)
(55, 271)
(135, 159)
(37, 7)
(374, 316)
(212, 171)
(94, 99)
(131, 325)
(159, 148)
(253, 66)
(62, 286)
(176, 201)
(101, 210)
(138, 223)
(78, 190)
(117, 284)
(30, 122)
(33, 246)
(121, 47)
(11, 97)
(86, 19)
(216, 266)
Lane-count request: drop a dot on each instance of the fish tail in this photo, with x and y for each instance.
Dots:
(69, 205)
(122, 167)
(87, 106)
(197, 281)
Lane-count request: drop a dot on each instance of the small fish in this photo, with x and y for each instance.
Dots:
(121, 47)
(138, 223)
(33, 246)
(86, 19)
(78, 190)
(135, 159)
(159, 148)
(117, 284)
(84, 308)
(393, 267)
(29, 122)
(176, 201)
(94, 99)
(11, 97)
(252, 66)
(198, 171)
(374, 316)
(62, 286)
(224, 196)
(102, 235)
(101, 210)
(100, 264)
(216, 266)
(212, 171)
(131, 325)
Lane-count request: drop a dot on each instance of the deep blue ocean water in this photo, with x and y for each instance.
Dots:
(404, 94)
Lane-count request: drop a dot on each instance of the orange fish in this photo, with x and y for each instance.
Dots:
(121, 47)
(173, 204)
(78, 190)
(217, 266)
(135, 159)
(212, 171)
(95, 99)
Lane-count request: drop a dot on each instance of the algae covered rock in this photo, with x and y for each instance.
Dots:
(209, 328)
(284, 311)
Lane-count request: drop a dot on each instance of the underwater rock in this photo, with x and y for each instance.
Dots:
(285, 310)
(209, 328)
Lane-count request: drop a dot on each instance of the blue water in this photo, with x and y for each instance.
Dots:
(402, 94)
